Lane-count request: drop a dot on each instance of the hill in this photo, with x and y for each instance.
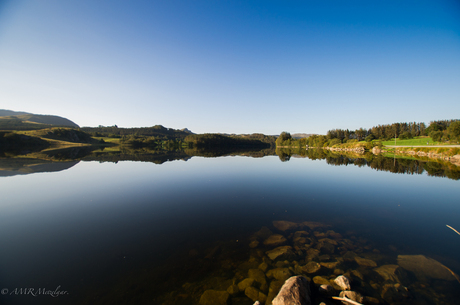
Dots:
(158, 131)
(14, 120)
(301, 135)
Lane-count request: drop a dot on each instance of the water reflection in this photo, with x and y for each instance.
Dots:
(395, 164)
(41, 161)
(136, 233)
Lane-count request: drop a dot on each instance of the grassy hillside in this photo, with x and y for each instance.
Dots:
(12, 120)
(61, 134)
(15, 143)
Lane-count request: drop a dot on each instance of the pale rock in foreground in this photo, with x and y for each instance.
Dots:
(295, 291)
(343, 282)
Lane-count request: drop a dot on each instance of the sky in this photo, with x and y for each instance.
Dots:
(232, 66)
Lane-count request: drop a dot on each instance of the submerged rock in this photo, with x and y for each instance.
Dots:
(233, 289)
(263, 266)
(262, 234)
(352, 295)
(283, 225)
(394, 293)
(259, 277)
(279, 273)
(273, 290)
(329, 265)
(343, 282)
(313, 224)
(423, 266)
(280, 251)
(326, 247)
(245, 284)
(295, 291)
(358, 274)
(365, 262)
(214, 297)
(275, 240)
(392, 273)
(349, 256)
(255, 295)
(312, 254)
(311, 267)
(326, 290)
(319, 280)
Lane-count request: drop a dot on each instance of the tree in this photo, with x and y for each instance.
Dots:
(405, 135)
(284, 136)
(436, 135)
(454, 131)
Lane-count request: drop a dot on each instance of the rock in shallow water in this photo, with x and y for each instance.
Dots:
(352, 295)
(424, 266)
(319, 280)
(245, 284)
(214, 297)
(343, 282)
(255, 295)
(283, 225)
(295, 291)
(364, 262)
(275, 240)
(326, 290)
(311, 267)
(279, 273)
(392, 273)
(278, 252)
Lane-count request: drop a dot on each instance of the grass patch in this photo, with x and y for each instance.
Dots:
(109, 140)
(415, 141)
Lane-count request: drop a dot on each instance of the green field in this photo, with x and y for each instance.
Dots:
(414, 141)
(108, 140)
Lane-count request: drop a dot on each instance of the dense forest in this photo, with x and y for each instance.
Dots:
(158, 132)
(218, 140)
(445, 130)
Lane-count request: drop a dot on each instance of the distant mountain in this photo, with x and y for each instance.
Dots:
(186, 130)
(10, 120)
(4, 112)
(301, 135)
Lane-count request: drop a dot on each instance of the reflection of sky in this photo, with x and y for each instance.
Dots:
(96, 212)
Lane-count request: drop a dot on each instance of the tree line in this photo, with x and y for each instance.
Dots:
(443, 130)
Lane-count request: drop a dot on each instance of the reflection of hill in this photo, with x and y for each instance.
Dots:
(162, 156)
(231, 151)
(157, 157)
(60, 159)
(22, 166)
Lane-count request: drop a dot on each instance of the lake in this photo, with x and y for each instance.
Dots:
(91, 231)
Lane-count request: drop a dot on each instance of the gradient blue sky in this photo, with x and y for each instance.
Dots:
(232, 66)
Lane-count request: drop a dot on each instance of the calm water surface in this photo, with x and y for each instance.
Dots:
(144, 233)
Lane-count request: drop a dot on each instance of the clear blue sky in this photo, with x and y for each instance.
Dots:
(232, 66)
